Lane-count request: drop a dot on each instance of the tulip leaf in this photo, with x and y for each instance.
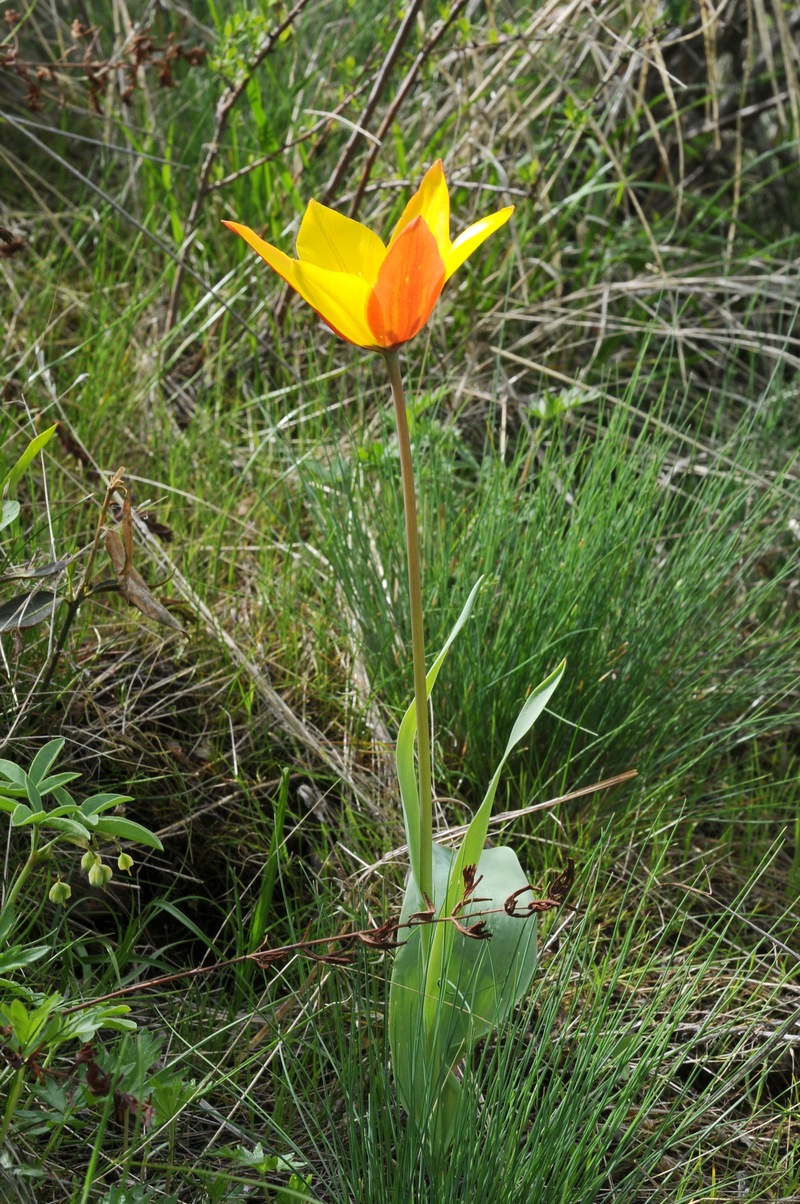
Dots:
(406, 775)
(450, 988)
(435, 1015)
(475, 837)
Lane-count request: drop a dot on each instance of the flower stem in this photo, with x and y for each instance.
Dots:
(417, 634)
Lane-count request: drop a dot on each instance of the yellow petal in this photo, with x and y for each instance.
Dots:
(276, 259)
(472, 238)
(408, 286)
(431, 202)
(340, 299)
(330, 240)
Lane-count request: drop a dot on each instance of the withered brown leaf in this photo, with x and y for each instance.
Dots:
(133, 588)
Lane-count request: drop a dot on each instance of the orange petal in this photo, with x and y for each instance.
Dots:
(431, 202)
(408, 286)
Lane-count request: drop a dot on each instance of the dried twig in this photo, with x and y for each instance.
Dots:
(340, 948)
(225, 107)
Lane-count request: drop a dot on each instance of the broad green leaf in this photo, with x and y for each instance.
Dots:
(16, 1014)
(70, 827)
(126, 829)
(28, 1027)
(84, 1025)
(21, 814)
(70, 809)
(15, 773)
(26, 610)
(101, 802)
(56, 781)
(45, 758)
(406, 775)
(436, 1015)
(31, 451)
(9, 512)
(34, 798)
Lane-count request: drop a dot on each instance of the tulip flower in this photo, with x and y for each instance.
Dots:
(444, 994)
(373, 295)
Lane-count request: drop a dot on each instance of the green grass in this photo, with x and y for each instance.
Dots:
(606, 428)
(661, 575)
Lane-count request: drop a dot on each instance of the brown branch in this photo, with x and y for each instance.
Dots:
(225, 107)
(402, 92)
(382, 937)
(381, 80)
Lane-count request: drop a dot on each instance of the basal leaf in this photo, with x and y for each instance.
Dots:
(406, 774)
(441, 1003)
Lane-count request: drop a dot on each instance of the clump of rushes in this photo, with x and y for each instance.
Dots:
(467, 959)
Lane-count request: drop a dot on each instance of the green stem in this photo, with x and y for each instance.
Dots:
(32, 860)
(13, 1099)
(417, 634)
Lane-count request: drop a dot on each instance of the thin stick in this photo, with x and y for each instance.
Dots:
(381, 81)
(400, 95)
(225, 107)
